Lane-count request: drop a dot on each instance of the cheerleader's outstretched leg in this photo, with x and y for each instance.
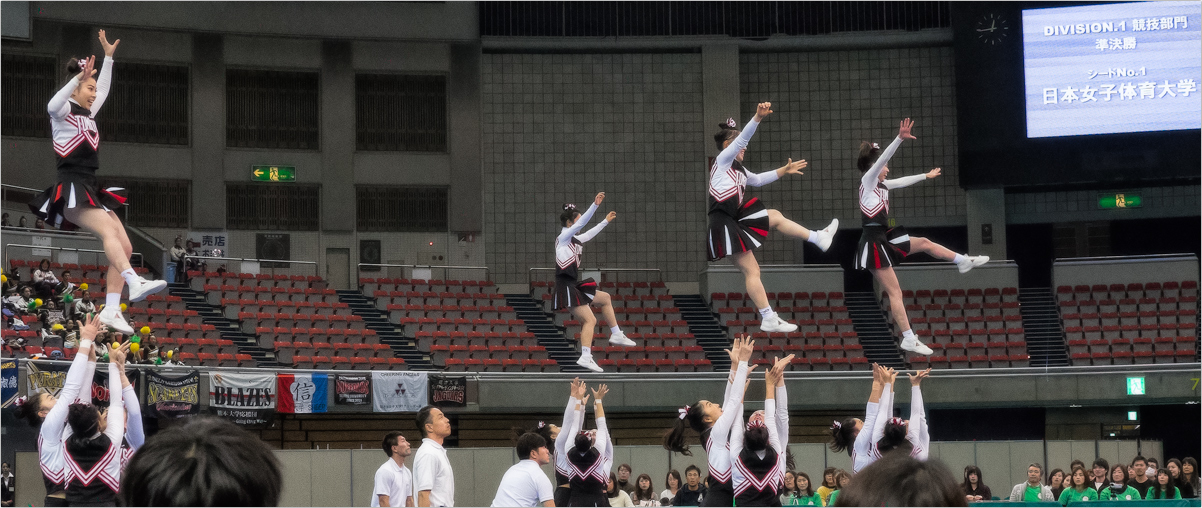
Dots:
(117, 249)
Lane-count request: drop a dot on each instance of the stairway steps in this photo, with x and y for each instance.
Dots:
(374, 319)
(230, 330)
(703, 324)
(875, 334)
(559, 347)
(1042, 327)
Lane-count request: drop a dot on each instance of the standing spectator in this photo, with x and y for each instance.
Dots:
(644, 492)
(433, 480)
(672, 482)
(804, 494)
(1100, 482)
(1187, 481)
(44, 280)
(617, 497)
(692, 492)
(1119, 490)
(974, 486)
(1079, 489)
(1140, 480)
(842, 480)
(624, 482)
(525, 483)
(394, 482)
(1056, 482)
(177, 260)
(1164, 488)
(898, 479)
(828, 485)
(7, 481)
(1033, 490)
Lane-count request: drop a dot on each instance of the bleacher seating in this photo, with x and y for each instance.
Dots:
(1119, 324)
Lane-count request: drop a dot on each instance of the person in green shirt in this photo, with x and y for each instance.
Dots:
(1119, 490)
(1163, 488)
(1033, 490)
(1079, 489)
(803, 493)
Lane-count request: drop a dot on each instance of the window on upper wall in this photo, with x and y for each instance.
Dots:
(405, 209)
(28, 81)
(155, 203)
(272, 109)
(405, 113)
(147, 103)
(273, 207)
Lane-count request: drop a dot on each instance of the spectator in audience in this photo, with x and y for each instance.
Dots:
(672, 482)
(1079, 489)
(1187, 481)
(23, 223)
(44, 280)
(1033, 490)
(1119, 490)
(4, 220)
(7, 481)
(1140, 480)
(842, 480)
(177, 258)
(433, 480)
(1174, 467)
(900, 480)
(393, 485)
(624, 482)
(617, 496)
(84, 305)
(51, 315)
(204, 461)
(974, 486)
(803, 492)
(1078, 463)
(644, 492)
(39, 224)
(1153, 466)
(828, 485)
(20, 300)
(1056, 482)
(525, 483)
(1164, 487)
(1099, 477)
(692, 492)
(790, 486)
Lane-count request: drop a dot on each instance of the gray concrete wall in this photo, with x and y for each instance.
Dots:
(724, 278)
(997, 273)
(1070, 272)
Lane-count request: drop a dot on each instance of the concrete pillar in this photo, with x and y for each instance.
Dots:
(465, 138)
(720, 90)
(986, 218)
(208, 131)
(337, 136)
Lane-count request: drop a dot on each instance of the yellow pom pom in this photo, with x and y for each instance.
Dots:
(133, 348)
(116, 345)
(84, 286)
(170, 354)
(57, 327)
(3, 279)
(145, 330)
(38, 302)
(123, 307)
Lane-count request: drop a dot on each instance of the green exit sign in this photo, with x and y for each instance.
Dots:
(273, 173)
(1135, 386)
(1119, 200)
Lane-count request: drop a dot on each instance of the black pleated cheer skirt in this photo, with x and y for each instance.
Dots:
(74, 190)
(881, 248)
(570, 294)
(744, 232)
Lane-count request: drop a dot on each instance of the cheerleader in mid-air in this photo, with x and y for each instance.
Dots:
(738, 226)
(881, 246)
(575, 294)
(77, 200)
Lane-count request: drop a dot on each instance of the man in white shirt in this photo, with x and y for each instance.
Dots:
(394, 482)
(433, 480)
(525, 484)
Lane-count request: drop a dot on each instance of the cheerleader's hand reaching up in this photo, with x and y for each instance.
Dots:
(109, 49)
(934, 173)
(600, 197)
(762, 110)
(903, 131)
(611, 216)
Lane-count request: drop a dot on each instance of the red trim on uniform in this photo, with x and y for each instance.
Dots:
(588, 283)
(753, 200)
(758, 230)
(876, 257)
(741, 244)
(89, 195)
(114, 196)
(58, 192)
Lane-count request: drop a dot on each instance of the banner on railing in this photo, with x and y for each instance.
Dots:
(172, 396)
(352, 390)
(394, 392)
(303, 392)
(100, 383)
(49, 378)
(447, 391)
(247, 399)
(8, 382)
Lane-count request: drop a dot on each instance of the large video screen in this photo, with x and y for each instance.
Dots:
(1112, 68)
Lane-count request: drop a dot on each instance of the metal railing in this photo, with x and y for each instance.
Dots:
(407, 274)
(269, 264)
(135, 259)
(659, 275)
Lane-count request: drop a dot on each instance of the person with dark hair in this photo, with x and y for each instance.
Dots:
(624, 482)
(974, 485)
(76, 200)
(715, 424)
(693, 493)
(788, 488)
(92, 444)
(644, 492)
(577, 295)
(1100, 470)
(1119, 490)
(1187, 481)
(881, 246)
(757, 453)
(616, 496)
(1153, 466)
(738, 226)
(672, 483)
(847, 434)
(1140, 480)
(433, 479)
(842, 481)
(393, 484)
(829, 484)
(44, 280)
(7, 481)
(1078, 490)
(1033, 490)
(591, 458)
(803, 491)
(43, 410)
(1056, 482)
(525, 484)
(900, 480)
(573, 421)
(1164, 487)
(205, 461)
